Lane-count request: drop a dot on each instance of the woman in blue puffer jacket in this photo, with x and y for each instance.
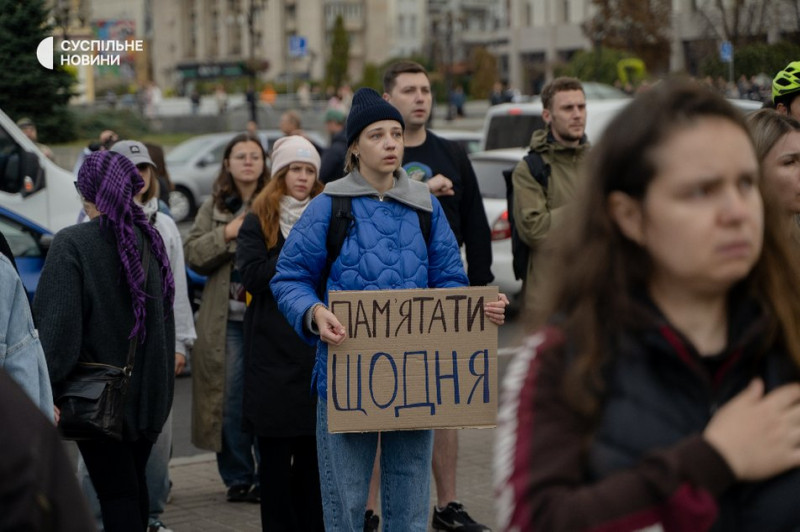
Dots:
(384, 249)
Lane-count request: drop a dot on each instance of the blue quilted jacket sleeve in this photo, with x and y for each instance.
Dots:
(445, 269)
(300, 265)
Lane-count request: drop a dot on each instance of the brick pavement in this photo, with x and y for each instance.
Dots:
(198, 495)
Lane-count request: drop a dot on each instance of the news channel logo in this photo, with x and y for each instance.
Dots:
(81, 52)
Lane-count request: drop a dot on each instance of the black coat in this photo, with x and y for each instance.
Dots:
(84, 312)
(278, 399)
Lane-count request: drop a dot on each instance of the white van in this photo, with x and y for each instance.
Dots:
(510, 125)
(31, 184)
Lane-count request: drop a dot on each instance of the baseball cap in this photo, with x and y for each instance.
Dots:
(135, 151)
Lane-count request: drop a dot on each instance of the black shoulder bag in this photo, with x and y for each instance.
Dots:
(92, 398)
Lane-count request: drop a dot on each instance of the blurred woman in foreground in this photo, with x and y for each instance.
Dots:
(662, 390)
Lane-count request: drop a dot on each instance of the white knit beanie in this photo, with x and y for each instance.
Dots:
(293, 149)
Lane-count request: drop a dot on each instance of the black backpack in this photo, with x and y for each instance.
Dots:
(341, 220)
(519, 249)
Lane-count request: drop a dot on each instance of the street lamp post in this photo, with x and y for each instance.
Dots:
(448, 73)
(252, 12)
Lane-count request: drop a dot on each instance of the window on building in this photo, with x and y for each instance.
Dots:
(413, 29)
(566, 11)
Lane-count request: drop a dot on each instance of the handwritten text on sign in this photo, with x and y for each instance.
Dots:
(413, 359)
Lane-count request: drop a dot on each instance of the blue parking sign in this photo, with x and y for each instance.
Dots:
(297, 46)
(726, 51)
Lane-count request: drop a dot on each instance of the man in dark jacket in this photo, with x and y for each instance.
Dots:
(445, 167)
(332, 166)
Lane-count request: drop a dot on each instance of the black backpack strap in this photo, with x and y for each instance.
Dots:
(425, 222)
(539, 169)
(341, 219)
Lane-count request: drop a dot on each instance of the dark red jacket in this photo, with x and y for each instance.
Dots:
(644, 463)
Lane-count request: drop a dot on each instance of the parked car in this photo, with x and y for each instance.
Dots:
(510, 125)
(469, 140)
(194, 164)
(29, 243)
(489, 166)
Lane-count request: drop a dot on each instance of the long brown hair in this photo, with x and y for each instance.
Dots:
(157, 155)
(593, 298)
(224, 186)
(267, 204)
(769, 126)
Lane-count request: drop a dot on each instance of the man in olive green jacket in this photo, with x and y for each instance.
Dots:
(561, 146)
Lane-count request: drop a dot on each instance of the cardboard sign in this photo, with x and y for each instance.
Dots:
(413, 359)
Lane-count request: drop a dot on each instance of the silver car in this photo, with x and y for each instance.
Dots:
(489, 166)
(194, 164)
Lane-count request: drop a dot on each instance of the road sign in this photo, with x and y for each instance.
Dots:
(297, 46)
(726, 52)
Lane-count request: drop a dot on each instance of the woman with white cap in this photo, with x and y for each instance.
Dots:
(279, 407)
(158, 481)
(385, 203)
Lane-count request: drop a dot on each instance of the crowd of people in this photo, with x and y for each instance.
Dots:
(660, 385)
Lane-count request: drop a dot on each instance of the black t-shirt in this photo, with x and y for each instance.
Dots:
(464, 210)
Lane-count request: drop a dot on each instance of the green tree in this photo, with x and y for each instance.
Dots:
(484, 73)
(595, 65)
(638, 27)
(336, 69)
(753, 59)
(372, 78)
(26, 87)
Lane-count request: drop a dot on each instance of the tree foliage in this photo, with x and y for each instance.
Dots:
(639, 27)
(26, 87)
(336, 69)
(746, 21)
(372, 77)
(595, 65)
(754, 59)
(484, 72)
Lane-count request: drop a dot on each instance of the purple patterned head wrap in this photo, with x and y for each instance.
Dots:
(109, 180)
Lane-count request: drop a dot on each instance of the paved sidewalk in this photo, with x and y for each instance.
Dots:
(198, 495)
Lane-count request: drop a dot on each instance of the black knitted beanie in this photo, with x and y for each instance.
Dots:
(368, 107)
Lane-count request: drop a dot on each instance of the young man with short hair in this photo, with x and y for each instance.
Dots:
(560, 146)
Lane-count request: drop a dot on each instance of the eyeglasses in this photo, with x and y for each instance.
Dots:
(243, 156)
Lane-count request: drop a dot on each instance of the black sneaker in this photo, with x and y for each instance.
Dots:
(238, 493)
(255, 495)
(455, 517)
(158, 526)
(371, 521)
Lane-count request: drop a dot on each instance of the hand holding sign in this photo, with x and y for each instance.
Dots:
(330, 330)
(496, 310)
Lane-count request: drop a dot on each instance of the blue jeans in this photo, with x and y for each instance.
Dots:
(238, 460)
(157, 472)
(345, 468)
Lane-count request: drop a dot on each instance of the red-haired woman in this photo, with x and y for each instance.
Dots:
(279, 406)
